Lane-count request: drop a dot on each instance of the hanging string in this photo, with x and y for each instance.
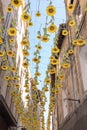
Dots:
(38, 5)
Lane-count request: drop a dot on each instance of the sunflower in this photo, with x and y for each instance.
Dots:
(44, 39)
(55, 50)
(51, 10)
(16, 3)
(1, 40)
(36, 60)
(11, 40)
(27, 90)
(51, 58)
(37, 73)
(52, 28)
(9, 9)
(27, 97)
(26, 85)
(74, 42)
(9, 84)
(45, 89)
(25, 42)
(17, 86)
(13, 69)
(70, 7)
(58, 85)
(25, 53)
(39, 47)
(38, 14)
(25, 17)
(65, 65)
(15, 78)
(65, 32)
(10, 53)
(1, 53)
(70, 51)
(12, 31)
(30, 24)
(52, 71)
(4, 67)
(25, 64)
(60, 76)
(47, 81)
(81, 42)
(4, 58)
(38, 37)
(71, 23)
(54, 62)
(6, 77)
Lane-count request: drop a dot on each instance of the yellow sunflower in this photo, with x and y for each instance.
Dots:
(27, 97)
(25, 64)
(54, 62)
(1, 53)
(25, 17)
(6, 77)
(51, 10)
(60, 76)
(81, 42)
(71, 23)
(55, 50)
(1, 40)
(51, 58)
(38, 37)
(25, 53)
(9, 84)
(74, 42)
(10, 53)
(70, 7)
(65, 32)
(38, 14)
(13, 69)
(44, 39)
(65, 65)
(15, 78)
(17, 86)
(70, 51)
(16, 3)
(9, 9)
(45, 89)
(11, 40)
(47, 81)
(4, 58)
(37, 73)
(30, 24)
(52, 28)
(52, 71)
(4, 67)
(36, 60)
(12, 31)
(39, 47)
(58, 85)
(25, 42)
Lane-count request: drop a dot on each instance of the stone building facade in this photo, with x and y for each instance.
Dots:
(70, 112)
(9, 119)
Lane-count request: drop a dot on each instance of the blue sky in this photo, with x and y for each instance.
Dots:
(46, 47)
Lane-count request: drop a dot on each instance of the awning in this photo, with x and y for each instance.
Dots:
(6, 113)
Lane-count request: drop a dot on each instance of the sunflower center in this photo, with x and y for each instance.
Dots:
(16, 1)
(12, 31)
(51, 28)
(51, 10)
(44, 38)
(26, 17)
